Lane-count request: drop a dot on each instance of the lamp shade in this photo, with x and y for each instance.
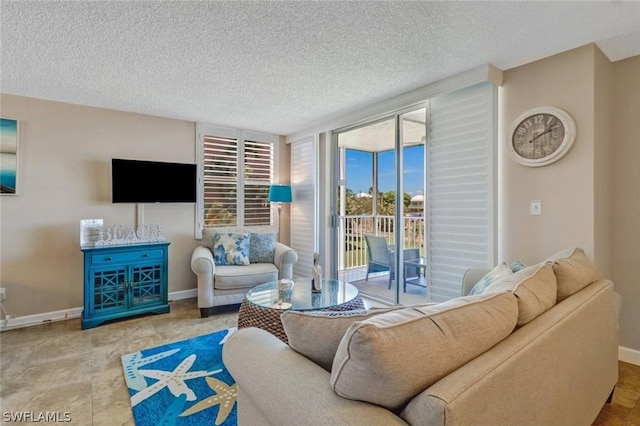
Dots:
(280, 193)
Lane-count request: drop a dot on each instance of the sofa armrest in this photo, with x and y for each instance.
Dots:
(288, 389)
(284, 259)
(470, 278)
(203, 266)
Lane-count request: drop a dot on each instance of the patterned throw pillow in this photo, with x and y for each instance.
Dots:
(262, 248)
(231, 249)
(493, 276)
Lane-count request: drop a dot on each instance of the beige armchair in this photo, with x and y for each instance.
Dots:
(220, 285)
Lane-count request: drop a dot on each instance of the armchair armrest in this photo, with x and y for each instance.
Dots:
(470, 278)
(284, 258)
(289, 389)
(203, 266)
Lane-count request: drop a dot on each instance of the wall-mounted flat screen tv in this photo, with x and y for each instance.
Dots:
(136, 181)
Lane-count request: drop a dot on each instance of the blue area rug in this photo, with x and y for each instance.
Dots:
(182, 383)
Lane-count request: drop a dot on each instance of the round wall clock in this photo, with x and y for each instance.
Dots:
(541, 136)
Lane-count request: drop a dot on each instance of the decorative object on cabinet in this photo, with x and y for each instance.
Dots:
(90, 232)
(8, 156)
(541, 136)
(122, 281)
(115, 235)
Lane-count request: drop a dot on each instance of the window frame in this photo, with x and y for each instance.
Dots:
(240, 136)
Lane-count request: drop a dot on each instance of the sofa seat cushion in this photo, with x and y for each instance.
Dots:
(574, 271)
(534, 286)
(389, 358)
(233, 276)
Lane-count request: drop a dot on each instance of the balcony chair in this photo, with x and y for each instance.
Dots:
(379, 257)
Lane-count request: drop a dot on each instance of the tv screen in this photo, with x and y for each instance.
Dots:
(136, 181)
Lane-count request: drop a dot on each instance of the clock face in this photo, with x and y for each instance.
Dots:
(538, 136)
(541, 136)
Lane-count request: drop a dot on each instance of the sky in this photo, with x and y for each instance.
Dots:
(359, 170)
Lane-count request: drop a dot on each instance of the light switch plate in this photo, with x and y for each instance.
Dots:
(536, 207)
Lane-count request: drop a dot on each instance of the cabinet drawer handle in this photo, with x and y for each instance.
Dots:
(108, 258)
(145, 255)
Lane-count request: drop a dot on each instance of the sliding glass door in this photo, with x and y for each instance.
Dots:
(380, 230)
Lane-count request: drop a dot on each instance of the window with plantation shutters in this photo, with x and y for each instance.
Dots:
(220, 178)
(258, 174)
(237, 168)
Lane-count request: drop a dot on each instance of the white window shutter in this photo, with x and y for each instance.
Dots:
(460, 207)
(303, 227)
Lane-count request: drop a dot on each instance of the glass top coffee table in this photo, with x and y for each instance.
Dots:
(263, 305)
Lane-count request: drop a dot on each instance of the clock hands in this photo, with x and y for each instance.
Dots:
(545, 132)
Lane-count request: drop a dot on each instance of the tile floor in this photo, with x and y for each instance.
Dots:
(58, 367)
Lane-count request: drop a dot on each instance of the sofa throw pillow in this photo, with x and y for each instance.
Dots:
(491, 277)
(317, 334)
(535, 288)
(389, 358)
(262, 248)
(231, 248)
(574, 271)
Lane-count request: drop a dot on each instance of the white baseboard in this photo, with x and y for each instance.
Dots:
(631, 356)
(37, 319)
(183, 294)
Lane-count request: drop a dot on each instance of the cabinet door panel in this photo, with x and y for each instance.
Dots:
(146, 284)
(109, 289)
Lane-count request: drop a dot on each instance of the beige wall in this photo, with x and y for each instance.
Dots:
(625, 247)
(603, 160)
(565, 187)
(65, 176)
(591, 197)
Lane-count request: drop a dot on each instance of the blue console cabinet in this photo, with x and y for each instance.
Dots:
(122, 281)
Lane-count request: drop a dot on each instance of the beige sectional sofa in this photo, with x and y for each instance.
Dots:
(501, 357)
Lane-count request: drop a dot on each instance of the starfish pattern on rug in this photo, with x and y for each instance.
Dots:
(132, 362)
(171, 415)
(172, 380)
(225, 397)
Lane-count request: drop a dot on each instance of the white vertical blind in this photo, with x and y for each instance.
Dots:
(304, 234)
(460, 205)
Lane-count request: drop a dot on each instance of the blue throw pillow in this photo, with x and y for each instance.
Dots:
(262, 248)
(231, 249)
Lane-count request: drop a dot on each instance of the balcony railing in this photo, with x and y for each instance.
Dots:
(353, 253)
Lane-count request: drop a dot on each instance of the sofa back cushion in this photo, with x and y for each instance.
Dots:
(389, 358)
(574, 271)
(535, 287)
(262, 247)
(231, 249)
(317, 334)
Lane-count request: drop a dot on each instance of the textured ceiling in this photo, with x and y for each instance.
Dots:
(281, 67)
